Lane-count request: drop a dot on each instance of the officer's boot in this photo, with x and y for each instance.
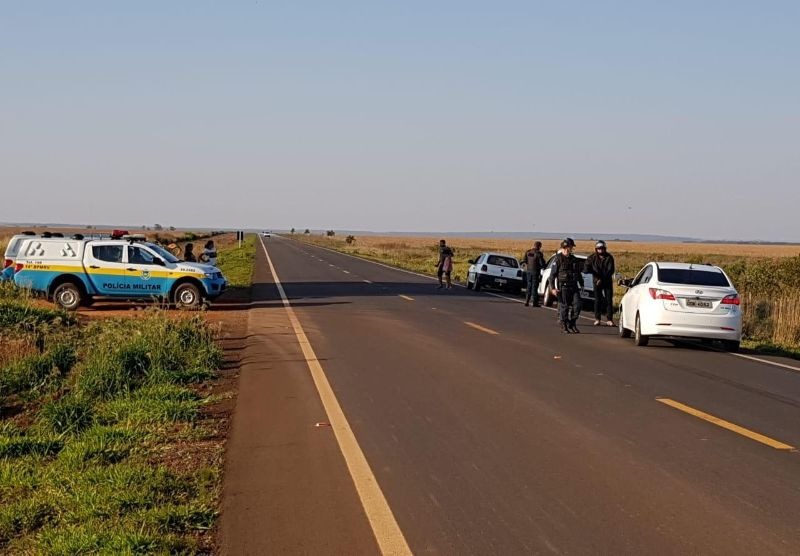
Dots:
(573, 326)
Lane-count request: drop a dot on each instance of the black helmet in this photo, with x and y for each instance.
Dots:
(568, 242)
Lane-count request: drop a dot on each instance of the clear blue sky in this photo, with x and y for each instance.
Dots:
(608, 117)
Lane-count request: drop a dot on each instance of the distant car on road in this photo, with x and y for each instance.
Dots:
(547, 296)
(495, 270)
(681, 300)
(266, 234)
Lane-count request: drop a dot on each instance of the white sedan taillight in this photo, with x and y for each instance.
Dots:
(655, 293)
(732, 299)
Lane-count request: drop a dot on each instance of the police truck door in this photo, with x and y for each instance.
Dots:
(146, 276)
(105, 267)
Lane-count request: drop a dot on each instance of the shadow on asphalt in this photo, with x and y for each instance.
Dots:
(221, 305)
(306, 290)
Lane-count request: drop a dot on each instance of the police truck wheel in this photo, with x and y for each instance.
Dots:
(638, 338)
(477, 286)
(469, 284)
(68, 296)
(187, 296)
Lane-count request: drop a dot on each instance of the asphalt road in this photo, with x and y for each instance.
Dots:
(489, 432)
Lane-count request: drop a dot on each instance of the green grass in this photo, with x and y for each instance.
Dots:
(766, 348)
(24, 316)
(237, 263)
(104, 403)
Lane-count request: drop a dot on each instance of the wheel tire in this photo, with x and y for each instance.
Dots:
(549, 298)
(731, 345)
(68, 296)
(706, 341)
(469, 284)
(623, 332)
(187, 296)
(477, 286)
(638, 338)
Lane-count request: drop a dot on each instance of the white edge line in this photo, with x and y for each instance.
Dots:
(384, 525)
(767, 361)
(750, 357)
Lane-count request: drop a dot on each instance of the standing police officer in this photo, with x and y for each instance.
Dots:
(534, 264)
(567, 273)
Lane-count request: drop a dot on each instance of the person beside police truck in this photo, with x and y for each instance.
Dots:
(566, 282)
(209, 254)
(600, 265)
(534, 264)
(188, 253)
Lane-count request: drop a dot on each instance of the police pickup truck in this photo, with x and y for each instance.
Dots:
(73, 271)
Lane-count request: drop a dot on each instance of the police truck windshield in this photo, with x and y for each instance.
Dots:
(163, 253)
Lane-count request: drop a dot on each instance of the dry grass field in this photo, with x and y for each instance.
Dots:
(767, 276)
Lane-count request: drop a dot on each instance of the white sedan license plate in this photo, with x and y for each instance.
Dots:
(699, 303)
(500, 280)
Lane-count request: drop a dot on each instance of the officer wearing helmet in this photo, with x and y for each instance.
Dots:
(566, 281)
(600, 265)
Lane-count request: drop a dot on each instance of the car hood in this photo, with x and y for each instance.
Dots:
(198, 267)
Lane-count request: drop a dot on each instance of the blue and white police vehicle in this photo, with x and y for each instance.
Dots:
(73, 271)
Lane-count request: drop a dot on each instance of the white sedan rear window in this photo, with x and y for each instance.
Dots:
(497, 260)
(692, 277)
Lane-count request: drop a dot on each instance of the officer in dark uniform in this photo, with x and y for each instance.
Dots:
(566, 280)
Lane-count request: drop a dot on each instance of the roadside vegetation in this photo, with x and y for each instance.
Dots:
(767, 276)
(105, 446)
(235, 262)
(92, 416)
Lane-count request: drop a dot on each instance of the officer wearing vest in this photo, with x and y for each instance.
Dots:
(566, 281)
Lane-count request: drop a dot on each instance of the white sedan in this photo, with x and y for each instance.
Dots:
(495, 270)
(681, 300)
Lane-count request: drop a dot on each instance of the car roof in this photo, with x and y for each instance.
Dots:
(687, 266)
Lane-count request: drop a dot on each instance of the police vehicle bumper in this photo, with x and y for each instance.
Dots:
(7, 274)
(214, 284)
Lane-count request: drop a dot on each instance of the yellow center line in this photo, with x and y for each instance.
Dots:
(726, 425)
(481, 328)
(407, 298)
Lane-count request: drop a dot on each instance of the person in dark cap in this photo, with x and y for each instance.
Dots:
(566, 282)
(600, 265)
